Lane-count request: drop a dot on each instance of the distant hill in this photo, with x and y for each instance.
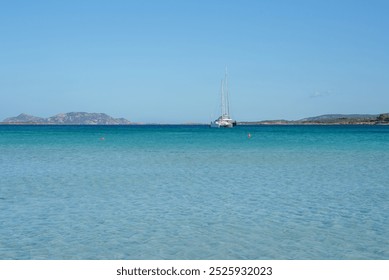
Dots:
(68, 118)
(24, 118)
(329, 119)
(340, 117)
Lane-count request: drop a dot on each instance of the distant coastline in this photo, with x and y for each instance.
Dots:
(331, 119)
(84, 118)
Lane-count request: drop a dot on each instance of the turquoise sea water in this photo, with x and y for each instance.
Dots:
(191, 192)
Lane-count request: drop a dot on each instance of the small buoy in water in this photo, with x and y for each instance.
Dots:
(249, 135)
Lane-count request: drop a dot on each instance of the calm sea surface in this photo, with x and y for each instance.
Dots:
(192, 192)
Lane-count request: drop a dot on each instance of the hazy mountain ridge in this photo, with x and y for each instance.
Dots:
(24, 118)
(331, 119)
(69, 118)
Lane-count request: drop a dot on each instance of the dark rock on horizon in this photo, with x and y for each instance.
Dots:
(383, 117)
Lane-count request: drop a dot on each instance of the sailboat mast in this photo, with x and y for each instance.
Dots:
(222, 98)
(227, 101)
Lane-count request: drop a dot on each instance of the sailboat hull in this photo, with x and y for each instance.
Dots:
(223, 123)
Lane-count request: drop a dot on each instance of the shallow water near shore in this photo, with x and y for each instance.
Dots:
(192, 192)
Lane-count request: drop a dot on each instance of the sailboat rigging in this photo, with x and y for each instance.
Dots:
(225, 119)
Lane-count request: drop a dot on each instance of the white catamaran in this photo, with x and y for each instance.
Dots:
(225, 119)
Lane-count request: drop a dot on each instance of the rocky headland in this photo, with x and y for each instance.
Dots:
(72, 118)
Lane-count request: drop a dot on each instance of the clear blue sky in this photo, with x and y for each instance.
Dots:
(162, 61)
